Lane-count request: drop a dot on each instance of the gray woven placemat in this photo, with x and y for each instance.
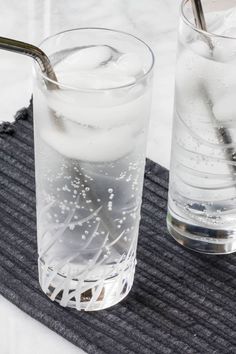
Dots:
(181, 302)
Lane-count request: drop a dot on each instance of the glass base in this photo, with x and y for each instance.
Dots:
(84, 294)
(201, 239)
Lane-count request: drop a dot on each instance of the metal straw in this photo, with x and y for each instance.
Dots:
(199, 14)
(34, 52)
(200, 21)
(223, 133)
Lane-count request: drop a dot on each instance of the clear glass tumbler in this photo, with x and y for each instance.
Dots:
(90, 141)
(202, 195)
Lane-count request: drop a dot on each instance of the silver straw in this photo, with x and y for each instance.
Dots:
(199, 14)
(200, 21)
(34, 52)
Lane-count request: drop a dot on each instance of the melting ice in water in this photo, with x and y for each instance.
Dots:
(98, 67)
(207, 75)
(97, 125)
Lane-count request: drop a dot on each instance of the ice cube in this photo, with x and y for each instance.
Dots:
(197, 83)
(229, 17)
(220, 79)
(225, 108)
(130, 64)
(230, 32)
(201, 47)
(224, 50)
(91, 144)
(189, 77)
(97, 79)
(198, 78)
(215, 22)
(85, 59)
(70, 105)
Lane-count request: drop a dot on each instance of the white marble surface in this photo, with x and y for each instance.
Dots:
(154, 21)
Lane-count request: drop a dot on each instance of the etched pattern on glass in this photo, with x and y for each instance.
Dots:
(87, 231)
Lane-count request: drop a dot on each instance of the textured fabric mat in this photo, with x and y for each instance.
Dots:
(181, 302)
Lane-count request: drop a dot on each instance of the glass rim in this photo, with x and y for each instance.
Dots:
(145, 74)
(190, 24)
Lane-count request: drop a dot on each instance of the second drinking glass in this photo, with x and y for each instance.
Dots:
(202, 195)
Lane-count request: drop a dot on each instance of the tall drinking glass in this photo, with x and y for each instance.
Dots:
(202, 195)
(90, 140)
